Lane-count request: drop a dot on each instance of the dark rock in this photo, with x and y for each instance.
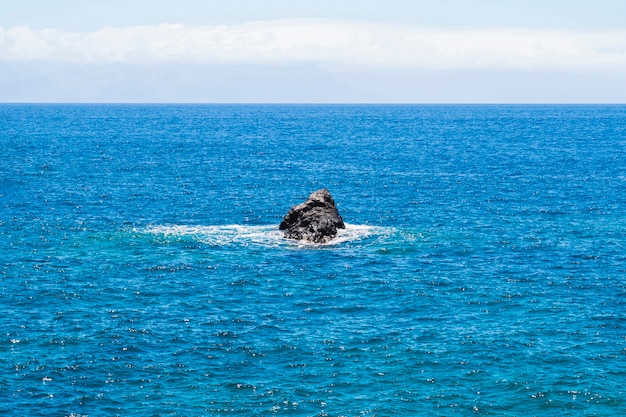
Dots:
(315, 220)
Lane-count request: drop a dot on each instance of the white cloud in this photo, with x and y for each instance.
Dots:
(325, 42)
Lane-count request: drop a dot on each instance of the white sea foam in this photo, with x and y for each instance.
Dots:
(221, 235)
(245, 235)
(354, 232)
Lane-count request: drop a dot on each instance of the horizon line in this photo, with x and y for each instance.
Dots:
(321, 103)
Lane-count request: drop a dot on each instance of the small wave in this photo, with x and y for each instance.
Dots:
(268, 235)
(354, 232)
(220, 235)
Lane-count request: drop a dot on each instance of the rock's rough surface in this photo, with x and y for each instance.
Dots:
(316, 220)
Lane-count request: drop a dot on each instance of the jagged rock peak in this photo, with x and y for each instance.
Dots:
(316, 220)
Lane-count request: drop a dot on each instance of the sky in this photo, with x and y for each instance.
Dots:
(280, 51)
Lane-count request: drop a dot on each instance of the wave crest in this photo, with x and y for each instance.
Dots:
(245, 235)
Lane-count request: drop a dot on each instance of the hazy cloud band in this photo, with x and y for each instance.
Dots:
(325, 42)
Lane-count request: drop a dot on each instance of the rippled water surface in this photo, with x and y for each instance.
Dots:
(482, 272)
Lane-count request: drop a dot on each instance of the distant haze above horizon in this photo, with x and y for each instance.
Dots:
(452, 51)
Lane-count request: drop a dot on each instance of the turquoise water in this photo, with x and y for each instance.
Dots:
(482, 272)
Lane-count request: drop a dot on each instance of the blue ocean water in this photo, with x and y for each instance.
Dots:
(482, 272)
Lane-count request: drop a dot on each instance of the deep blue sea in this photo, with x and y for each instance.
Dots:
(482, 271)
